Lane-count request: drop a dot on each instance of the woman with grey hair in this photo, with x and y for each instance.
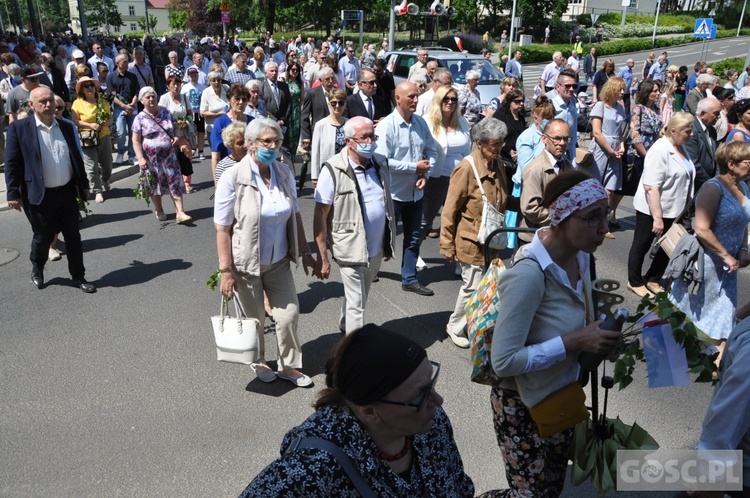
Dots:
(469, 101)
(259, 233)
(12, 81)
(462, 214)
(420, 81)
(214, 100)
(174, 68)
(702, 83)
(233, 137)
(256, 106)
(153, 141)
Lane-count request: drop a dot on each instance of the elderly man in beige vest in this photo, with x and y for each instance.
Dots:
(360, 229)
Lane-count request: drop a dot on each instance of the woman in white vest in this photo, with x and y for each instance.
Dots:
(259, 233)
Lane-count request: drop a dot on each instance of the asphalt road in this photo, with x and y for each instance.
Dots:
(680, 55)
(119, 393)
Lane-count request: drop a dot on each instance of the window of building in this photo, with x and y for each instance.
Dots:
(633, 4)
(133, 26)
(117, 29)
(131, 10)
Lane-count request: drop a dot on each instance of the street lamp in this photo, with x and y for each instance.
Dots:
(739, 26)
(656, 21)
(512, 30)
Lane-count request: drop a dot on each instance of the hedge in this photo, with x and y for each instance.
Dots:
(541, 53)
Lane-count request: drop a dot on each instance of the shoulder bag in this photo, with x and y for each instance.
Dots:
(492, 219)
(236, 338)
(677, 231)
(89, 138)
(186, 165)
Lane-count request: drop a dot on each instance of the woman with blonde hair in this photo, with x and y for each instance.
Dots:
(666, 101)
(610, 129)
(665, 186)
(453, 142)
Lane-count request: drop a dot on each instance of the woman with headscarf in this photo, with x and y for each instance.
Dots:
(547, 318)
(259, 234)
(381, 410)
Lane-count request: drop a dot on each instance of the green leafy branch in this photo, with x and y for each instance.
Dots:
(146, 186)
(684, 332)
(213, 280)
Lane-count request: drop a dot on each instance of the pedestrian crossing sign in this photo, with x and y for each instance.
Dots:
(703, 28)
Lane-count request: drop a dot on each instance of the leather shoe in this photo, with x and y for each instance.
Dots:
(37, 278)
(418, 288)
(82, 284)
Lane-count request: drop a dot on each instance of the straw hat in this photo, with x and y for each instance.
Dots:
(85, 79)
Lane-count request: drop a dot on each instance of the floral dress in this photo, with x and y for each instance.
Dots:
(158, 151)
(714, 308)
(295, 115)
(645, 125)
(470, 105)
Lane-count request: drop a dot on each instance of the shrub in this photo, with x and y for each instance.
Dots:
(635, 30)
(721, 68)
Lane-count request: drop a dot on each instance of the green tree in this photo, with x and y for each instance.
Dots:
(99, 13)
(179, 12)
(152, 21)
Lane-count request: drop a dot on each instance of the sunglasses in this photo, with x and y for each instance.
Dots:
(450, 99)
(573, 85)
(337, 103)
(87, 86)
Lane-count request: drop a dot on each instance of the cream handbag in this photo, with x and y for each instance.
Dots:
(236, 338)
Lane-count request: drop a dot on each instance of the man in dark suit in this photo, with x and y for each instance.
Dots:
(701, 149)
(44, 174)
(52, 75)
(366, 103)
(315, 106)
(277, 98)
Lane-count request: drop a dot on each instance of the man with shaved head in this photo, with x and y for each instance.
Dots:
(406, 145)
(44, 173)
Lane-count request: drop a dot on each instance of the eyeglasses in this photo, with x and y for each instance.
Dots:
(369, 82)
(337, 103)
(421, 402)
(558, 139)
(450, 99)
(494, 145)
(368, 139)
(595, 219)
(268, 142)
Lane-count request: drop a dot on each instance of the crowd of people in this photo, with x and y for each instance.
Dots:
(425, 153)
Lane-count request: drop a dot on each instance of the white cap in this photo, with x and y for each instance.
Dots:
(77, 54)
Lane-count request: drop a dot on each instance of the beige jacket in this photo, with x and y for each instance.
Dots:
(536, 176)
(246, 229)
(462, 211)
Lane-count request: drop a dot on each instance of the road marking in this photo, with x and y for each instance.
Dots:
(725, 46)
(719, 53)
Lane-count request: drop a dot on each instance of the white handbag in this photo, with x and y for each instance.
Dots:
(236, 338)
(492, 219)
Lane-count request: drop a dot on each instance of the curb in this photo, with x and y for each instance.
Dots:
(118, 173)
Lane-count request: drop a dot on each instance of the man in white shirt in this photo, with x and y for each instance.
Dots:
(350, 67)
(99, 57)
(441, 77)
(359, 257)
(420, 66)
(565, 107)
(574, 63)
(549, 75)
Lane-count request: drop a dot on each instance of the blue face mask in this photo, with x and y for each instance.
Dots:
(366, 150)
(266, 156)
(17, 78)
(544, 124)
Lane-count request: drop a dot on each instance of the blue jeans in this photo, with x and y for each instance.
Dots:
(124, 126)
(410, 214)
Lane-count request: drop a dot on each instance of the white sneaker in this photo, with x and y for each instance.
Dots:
(201, 156)
(118, 159)
(421, 265)
(54, 254)
(459, 340)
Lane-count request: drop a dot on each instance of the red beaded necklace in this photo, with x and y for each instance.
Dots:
(398, 456)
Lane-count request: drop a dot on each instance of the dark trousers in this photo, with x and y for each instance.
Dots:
(626, 101)
(410, 214)
(58, 212)
(643, 238)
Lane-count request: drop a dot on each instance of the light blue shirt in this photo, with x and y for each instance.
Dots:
(401, 145)
(528, 145)
(513, 69)
(626, 73)
(727, 422)
(350, 68)
(569, 113)
(656, 71)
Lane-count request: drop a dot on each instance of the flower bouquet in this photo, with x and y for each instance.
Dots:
(146, 186)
